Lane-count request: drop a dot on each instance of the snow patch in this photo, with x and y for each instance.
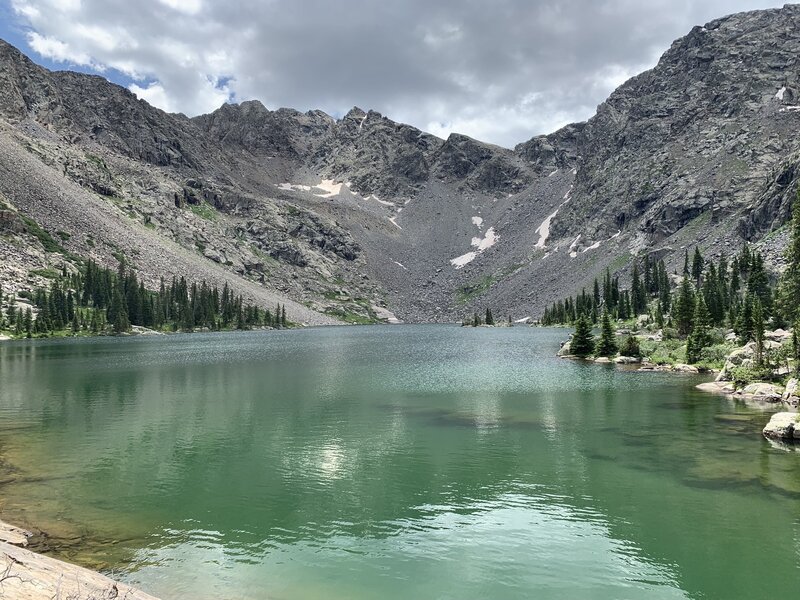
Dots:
(360, 125)
(544, 229)
(789, 109)
(329, 188)
(594, 246)
(489, 240)
(294, 186)
(572, 247)
(401, 265)
(477, 221)
(780, 93)
(393, 221)
(482, 244)
(553, 173)
(523, 320)
(616, 235)
(464, 259)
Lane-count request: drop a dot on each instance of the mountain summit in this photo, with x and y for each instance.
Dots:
(358, 218)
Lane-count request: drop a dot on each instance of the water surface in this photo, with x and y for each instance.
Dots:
(391, 462)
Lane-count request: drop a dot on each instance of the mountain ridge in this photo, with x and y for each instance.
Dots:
(362, 215)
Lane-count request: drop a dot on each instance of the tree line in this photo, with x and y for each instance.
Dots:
(95, 299)
(737, 293)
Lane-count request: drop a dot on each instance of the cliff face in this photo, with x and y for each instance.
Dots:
(354, 215)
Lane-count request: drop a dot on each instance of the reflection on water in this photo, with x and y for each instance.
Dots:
(425, 461)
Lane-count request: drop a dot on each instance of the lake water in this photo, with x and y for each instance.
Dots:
(391, 462)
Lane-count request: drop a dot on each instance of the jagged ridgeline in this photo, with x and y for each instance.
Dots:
(97, 300)
(362, 219)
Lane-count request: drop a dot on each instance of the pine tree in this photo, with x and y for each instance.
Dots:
(796, 347)
(607, 345)
(28, 322)
(758, 331)
(700, 337)
(790, 282)
(697, 266)
(683, 308)
(582, 343)
(489, 318)
(744, 321)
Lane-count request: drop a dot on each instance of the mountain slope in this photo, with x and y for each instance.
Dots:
(350, 217)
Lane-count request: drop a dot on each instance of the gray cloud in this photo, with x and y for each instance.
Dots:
(499, 70)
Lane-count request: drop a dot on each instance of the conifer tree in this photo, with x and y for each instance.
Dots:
(489, 320)
(683, 309)
(697, 266)
(790, 282)
(700, 337)
(607, 346)
(744, 321)
(758, 331)
(582, 343)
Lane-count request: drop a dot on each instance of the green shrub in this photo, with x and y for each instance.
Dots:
(743, 376)
(631, 347)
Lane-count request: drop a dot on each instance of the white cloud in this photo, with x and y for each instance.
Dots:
(208, 96)
(56, 50)
(501, 72)
(189, 7)
(154, 94)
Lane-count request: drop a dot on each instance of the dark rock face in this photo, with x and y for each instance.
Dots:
(702, 149)
(701, 132)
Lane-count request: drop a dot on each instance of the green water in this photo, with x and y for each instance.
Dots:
(391, 462)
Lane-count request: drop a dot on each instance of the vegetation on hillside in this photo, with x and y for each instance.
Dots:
(97, 300)
(694, 308)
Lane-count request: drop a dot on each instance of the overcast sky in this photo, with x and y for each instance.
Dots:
(497, 70)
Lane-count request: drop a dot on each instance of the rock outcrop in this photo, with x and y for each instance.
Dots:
(783, 426)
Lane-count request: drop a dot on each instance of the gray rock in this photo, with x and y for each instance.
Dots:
(791, 395)
(763, 392)
(783, 426)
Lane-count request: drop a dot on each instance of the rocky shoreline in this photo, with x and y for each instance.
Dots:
(784, 426)
(25, 575)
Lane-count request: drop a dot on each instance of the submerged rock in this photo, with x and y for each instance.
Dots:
(783, 426)
(764, 392)
(717, 387)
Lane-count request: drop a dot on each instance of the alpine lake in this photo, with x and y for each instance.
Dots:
(410, 461)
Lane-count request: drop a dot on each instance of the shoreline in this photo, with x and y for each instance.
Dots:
(27, 575)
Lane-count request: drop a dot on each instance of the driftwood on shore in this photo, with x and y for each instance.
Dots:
(25, 575)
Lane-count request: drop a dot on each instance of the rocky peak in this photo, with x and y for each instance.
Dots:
(481, 166)
(262, 132)
(559, 150)
(697, 134)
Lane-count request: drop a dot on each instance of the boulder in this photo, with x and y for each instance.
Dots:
(565, 349)
(681, 368)
(763, 392)
(779, 335)
(791, 395)
(602, 360)
(783, 426)
(627, 360)
(715, 387)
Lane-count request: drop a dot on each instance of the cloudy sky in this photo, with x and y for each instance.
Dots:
(498, 70)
